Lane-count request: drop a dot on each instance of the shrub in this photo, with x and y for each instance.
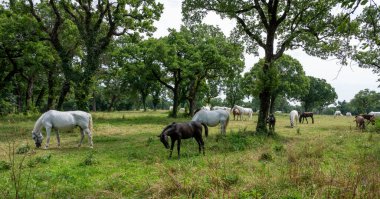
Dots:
(4, 165)
(23, 149)
(265, 157)
(89, 160)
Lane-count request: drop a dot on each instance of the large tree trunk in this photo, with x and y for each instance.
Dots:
(111, 104)
(82, 93)
(175, 100)
(191, 106)
(272, 103)
(64, 90)
(143, 100)
(264, 96)
(261, 127)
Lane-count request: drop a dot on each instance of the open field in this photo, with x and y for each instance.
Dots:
(328, 159)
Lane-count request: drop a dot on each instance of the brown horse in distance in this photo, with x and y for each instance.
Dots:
(236, 112)
(360, 122)
(305, 115)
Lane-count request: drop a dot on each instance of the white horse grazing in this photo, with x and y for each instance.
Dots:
(244, 111)
(62, 121)
(338, 113)
(348, 114)
(213, 118)
(376, 114)
(221, 108)
(293, 117)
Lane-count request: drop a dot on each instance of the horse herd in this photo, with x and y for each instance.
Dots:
(66, 121)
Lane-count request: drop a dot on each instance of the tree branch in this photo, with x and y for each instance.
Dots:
(249, 33)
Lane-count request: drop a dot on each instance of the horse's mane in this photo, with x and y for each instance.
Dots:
(38, 124)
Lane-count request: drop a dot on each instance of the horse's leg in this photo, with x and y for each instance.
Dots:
(221, 127)
(81, 138)
(58, 138)
(179, 146)
(89, 137)
(48, 130)
(171, 148)
(312, 119)
(202, 144)
(307, 122)
(199, 143)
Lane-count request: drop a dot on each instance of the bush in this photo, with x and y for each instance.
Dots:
(4, 165)
(23, 149)
(265, 157)
(89, 160)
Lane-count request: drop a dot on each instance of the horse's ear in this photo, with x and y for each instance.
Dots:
(173, 123)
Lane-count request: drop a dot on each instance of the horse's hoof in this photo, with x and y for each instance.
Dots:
(46, 147)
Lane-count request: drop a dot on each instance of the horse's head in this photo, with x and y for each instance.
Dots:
(37, 137)
(164, 135)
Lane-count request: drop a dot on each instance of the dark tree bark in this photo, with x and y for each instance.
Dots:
(51, 94)
(111, 104)
(272, 103)
(39, 97)
(175, 89)
(66, 55)
(64, 90)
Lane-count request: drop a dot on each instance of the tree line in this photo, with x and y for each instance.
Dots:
(99, 55)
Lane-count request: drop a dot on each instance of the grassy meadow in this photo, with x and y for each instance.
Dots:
(328, 159)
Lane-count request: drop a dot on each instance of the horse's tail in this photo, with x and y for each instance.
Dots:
(228, 119)
(206, 128)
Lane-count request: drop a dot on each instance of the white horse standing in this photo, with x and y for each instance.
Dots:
(213, 118)
(338, 113)
(244, 111)
(376, 114)
(348, 114)
(293, 117)
(62, 121)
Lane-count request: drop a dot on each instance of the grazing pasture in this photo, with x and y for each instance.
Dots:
(330, 159)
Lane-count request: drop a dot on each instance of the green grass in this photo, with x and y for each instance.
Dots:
(328, 159)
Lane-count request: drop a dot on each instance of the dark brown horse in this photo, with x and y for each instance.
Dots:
(305, 115)
(271, 120)
(178, 131)
(236, 112)
(369, 118)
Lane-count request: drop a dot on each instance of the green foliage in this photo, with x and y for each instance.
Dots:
(89, 160)
(4, 165)
(320, 94)
(368, 33)
(366, 101)
(288, 79)
(23, 149)
(266, 156)
(44, 159)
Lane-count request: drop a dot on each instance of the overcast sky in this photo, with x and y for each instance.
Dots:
(349, 81)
